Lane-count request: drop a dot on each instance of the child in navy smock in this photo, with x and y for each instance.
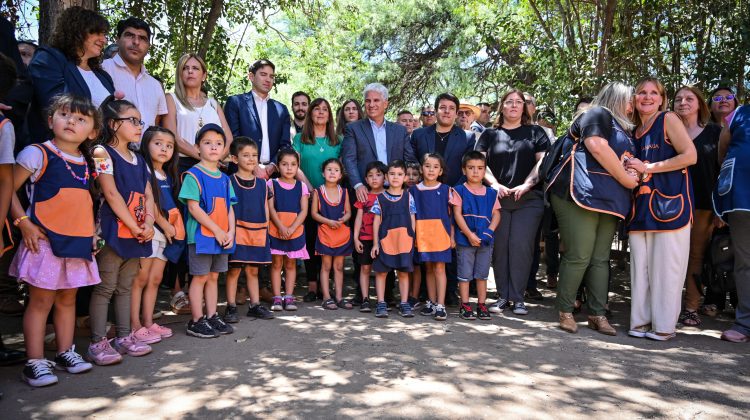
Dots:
(209, 197)
(253, 248)
(331, 209)
(288, 209)
(55, 257)
(127, 224)
(477, 213)
(158, 148)
(434, 232)
(393, 238)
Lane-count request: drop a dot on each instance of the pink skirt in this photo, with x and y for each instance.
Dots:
(46, 271)
(300, 254)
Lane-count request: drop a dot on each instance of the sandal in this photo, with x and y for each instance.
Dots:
(689, 318)
(709, 310)
(344, 304)
(329, 304)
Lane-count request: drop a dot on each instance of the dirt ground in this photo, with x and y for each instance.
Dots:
(340, 364)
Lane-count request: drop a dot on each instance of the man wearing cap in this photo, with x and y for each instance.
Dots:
(256, 115)
(129, 74)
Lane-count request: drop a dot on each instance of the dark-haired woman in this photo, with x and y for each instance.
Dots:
(350, 111)
(316, 143)
(70, 64)
(513, 148)
(723, 102)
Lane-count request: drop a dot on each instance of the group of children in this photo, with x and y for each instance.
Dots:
(231, 224)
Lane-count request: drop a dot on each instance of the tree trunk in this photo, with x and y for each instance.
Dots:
(49, 10)
(609, 16)
(213, 15)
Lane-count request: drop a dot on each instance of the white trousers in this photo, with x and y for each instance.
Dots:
(658, 264)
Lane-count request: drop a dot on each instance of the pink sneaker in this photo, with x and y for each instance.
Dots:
(163, 332)
(146, 336)
(131, 346)
(102, 353)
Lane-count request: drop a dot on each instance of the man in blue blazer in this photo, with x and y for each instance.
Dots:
(445, 138)
(256, 115)
(373, 138)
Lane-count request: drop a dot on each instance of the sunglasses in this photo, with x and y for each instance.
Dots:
(719, 98)
(428, 113)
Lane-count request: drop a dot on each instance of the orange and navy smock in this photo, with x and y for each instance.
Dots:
(333, 242)
(130, 180)
(253, 246)
(172, 251)
(216, 199)
(70, 233)
(664, 201)
(396, 236)
(287, 206)
(433, 223)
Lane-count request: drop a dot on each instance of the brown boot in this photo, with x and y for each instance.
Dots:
(568, 323)
(600, 323)
(551, 281)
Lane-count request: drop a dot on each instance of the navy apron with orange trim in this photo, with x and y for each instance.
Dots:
(333, 242)
(130, 181)
(172, 251)
(396, 236)
(732, 192)
(476, 210)
(253, 246)
(63, 207)
(591, 186)
(216, 202)
(433, 224)
(287, 206)
(664, 201)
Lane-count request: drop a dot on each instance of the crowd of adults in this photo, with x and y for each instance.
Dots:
(625, 161)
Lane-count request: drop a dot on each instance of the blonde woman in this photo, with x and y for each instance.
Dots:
(189, 108)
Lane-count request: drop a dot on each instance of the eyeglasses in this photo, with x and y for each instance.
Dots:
(511, 102)
(719, 98)
(428, 113)
(464, 112)
(133, 120)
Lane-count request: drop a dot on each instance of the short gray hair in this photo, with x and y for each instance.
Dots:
(376, 87)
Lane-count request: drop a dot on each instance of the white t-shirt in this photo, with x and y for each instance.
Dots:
(98, 92)
(189, 121)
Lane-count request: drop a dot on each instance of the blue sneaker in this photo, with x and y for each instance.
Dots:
(381, 311)
(428, 309)
(413, 302)
(405, 310)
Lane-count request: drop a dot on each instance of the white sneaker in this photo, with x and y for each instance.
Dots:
(499, 306)
(520, 309)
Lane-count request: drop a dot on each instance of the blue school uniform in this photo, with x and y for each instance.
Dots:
(70, 234)
(287, 206)
(732, 191)
(433, 223)
(396, 236)
(130, 180)
(253, 246)
(477, 213)
(333, 242)
(216, 199)
(172, 251)
(664, 201)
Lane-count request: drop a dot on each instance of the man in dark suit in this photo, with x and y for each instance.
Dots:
(444, 138)
(373, 138)
(256, 115)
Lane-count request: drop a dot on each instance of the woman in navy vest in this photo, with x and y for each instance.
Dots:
(732, 202)
(590, 191)
(662, 214)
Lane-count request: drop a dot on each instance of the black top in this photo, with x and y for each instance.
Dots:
(595, 122)
(706, 170)
(511, 154)
(441, 140)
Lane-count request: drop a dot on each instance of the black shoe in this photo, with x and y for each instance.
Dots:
(357, 300)
(259, 311)
(482, 312)
(534, 294)
(72, 362)
(10, 356)
(38, 372)
(365, 306)
(465, 312)
(230, 315)
(201, 329)
(310, 297)
(219, 325)
(451, 299)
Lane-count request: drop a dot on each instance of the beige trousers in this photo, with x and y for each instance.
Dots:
(658, 264)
